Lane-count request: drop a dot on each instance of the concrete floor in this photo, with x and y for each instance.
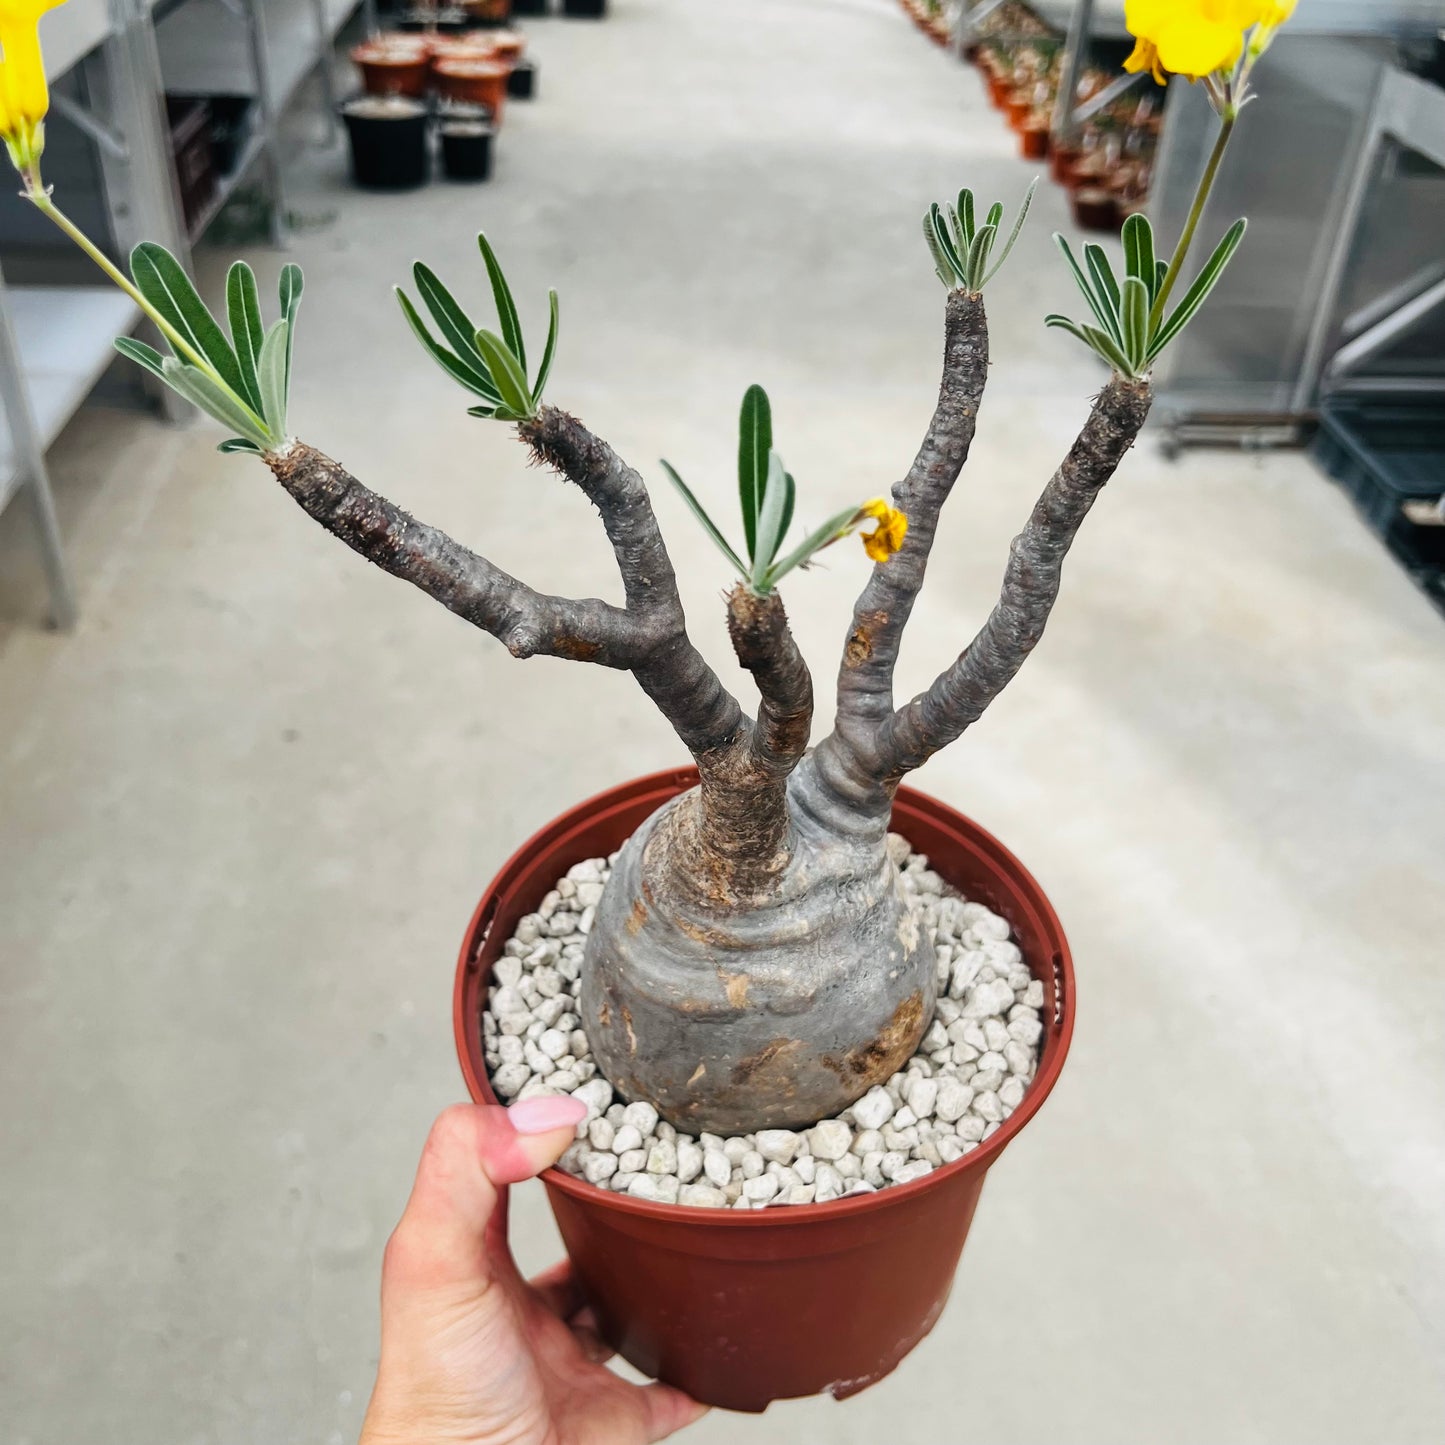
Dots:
(246, 808)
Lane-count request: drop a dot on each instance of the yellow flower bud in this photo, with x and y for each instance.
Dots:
(887, 537)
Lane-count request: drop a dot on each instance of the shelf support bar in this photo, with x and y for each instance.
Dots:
(105, 136)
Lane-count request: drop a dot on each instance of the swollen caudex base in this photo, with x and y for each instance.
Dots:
(774, 1015)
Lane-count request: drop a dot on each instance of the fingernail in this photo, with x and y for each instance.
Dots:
(546, 1112)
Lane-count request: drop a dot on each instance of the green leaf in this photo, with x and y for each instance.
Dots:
(1138, 239)
(486, 412)
(507, 372)
(454, 324)
(470, 378)
(1013, 235)
(548, 351)
(141, 354)
(1204, 283)
(239, 444)
(755, 441)
(1107, 288)
(215, 400)
(788, 501)
(955, 230)
(271, 373)
(709, 526)
(1109, 349)
(1072, 327)
(978, 256)
(291, 283)
(941, 264)
(965, 214)
(243, 308)
(941, 231)
(506, 307)
(814, 542)
(995, 215)
(1161, 270)
(1082, 281)
(1134, 320)
(160, 278)
(770, 518)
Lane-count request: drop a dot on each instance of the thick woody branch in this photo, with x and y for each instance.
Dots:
(526, 622)
(865, 678)
(672, 672)
(959, 696)
(765, 646)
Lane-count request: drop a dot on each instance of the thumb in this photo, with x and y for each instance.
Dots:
(471, 1154)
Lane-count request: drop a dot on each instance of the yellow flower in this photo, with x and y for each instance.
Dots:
(887, 537)
(1195, 37)
(24, 97)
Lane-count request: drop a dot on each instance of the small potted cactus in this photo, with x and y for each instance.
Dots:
(806, 1005)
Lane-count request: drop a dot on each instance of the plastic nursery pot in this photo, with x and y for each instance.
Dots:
(507, 45)
(584, 9)
(480, 82)
(1034, 140)
(388, 141)
(466, 149)
(522, 82)
(740, 1308)
(1095, 209)
(1062, 160)
(392, 67)
(529, 7)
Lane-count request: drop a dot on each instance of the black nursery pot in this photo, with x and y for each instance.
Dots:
(584, 9)
(529, 7)
(467, 149)
(388, 141)
(522, 82)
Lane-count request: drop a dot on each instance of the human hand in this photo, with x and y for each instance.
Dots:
(470, 1351)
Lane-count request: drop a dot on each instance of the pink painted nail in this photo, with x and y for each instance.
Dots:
(545, 1113)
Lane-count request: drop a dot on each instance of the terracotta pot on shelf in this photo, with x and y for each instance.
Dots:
(814, 1297)
(1095, 209)
(482, 81)
(1034, 137)
(1062, 160)
(398, 66)
(506, 44)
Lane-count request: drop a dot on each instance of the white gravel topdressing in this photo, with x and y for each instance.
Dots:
(967, 1076)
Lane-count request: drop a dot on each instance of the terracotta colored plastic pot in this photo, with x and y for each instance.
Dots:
(740, 1308)
(506, 45)
(1096, 209)
(479, 82)
(1034, 140)
(392, 67)
(1062, 160)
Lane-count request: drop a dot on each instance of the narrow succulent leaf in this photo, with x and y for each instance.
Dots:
(1013, 235)
(215, 400)
(698, 511)
(239, 444)
(511, 328)
(1085, 287)
(1197, 294)
(1138, 239)
(505, 413)
(141, 354)
(940, 229)
(474, 380)
(271, 373)
(243, 309)
(1109, 349)
(978, 256)
(995, 215)
(1134, 320)
(941, 264)
(507, 373)
(955, 230)
(290, 288)
(770, 518)
(457, 328)
(789, 498)
(1065, 324)
(965, 214)
(755, 441)
(1161, 270)
(548, 351)
(485, 412)
(161, 279)
(831, 530)
(1106, 287)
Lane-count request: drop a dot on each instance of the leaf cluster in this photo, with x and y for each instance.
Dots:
(961, 249)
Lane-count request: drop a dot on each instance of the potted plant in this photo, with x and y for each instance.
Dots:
(801, 1046)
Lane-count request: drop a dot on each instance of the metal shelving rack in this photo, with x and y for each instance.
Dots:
(55, 341)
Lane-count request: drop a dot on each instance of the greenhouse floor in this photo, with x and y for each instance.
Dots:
(247, 807)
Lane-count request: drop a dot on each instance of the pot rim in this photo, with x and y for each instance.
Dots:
(479, 1086)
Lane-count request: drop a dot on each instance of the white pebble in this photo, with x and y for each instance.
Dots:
(600, 1133)
(716, 1166)
(986, 1106)
(761, 1189)
(510, 1079)
(953, 1100)
(752, 1164)
(599, 1167)
(918, 1169)
(778, 1144)
(874, 1109)
(921, 1095)
(626, 1139)
(702, 1196)
(642, 1116)
(689, 1160)
(662, 1158)
(830, 1139)
(633, 1161)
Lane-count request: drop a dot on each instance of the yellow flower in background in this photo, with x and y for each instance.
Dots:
(24, 96)
(1195, 37)
(887, 537)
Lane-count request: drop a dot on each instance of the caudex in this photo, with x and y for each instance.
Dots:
(752, 962)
